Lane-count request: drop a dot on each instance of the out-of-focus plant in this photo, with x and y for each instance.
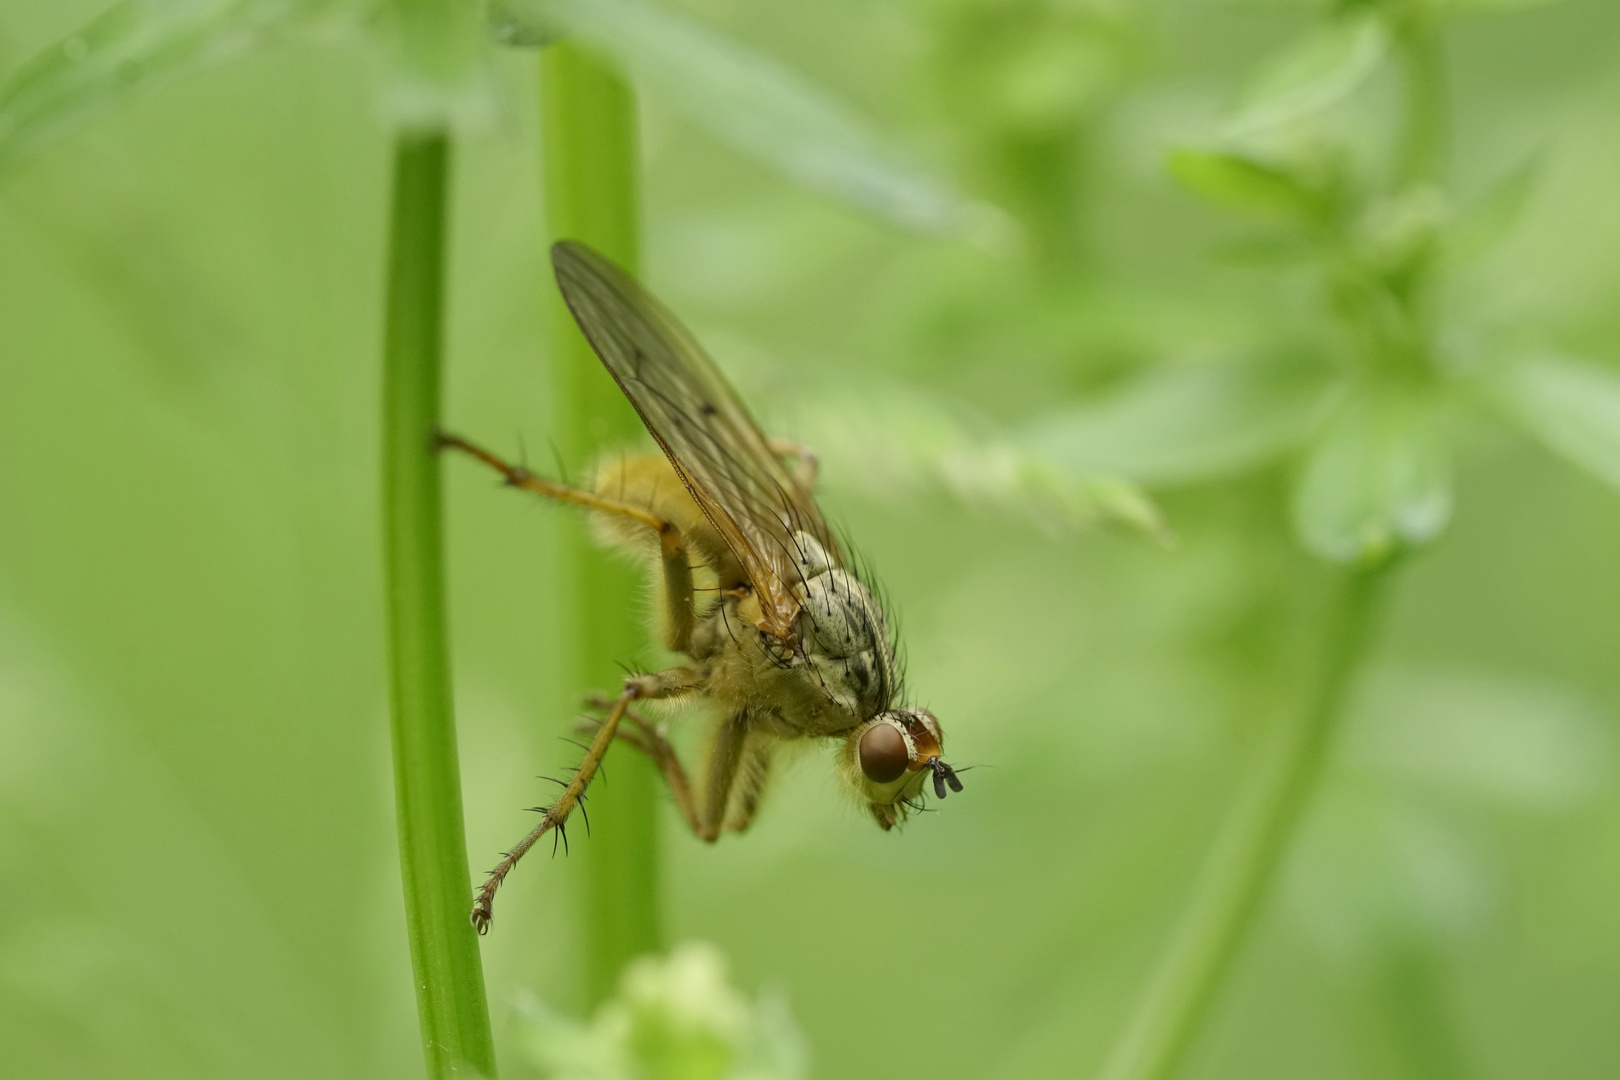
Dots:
(1373, 416)
(749, 100)
(1026, 84)
(760, 108)
(674, 1018)
(1392, 870)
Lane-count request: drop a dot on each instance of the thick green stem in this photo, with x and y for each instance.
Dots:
(427, 782)
(588, 133)
(1246, 858)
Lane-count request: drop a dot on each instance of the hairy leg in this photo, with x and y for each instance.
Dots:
(640, 688)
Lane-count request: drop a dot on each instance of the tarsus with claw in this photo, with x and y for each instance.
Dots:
(556, 815)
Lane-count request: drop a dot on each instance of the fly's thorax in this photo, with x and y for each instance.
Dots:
(844, 638)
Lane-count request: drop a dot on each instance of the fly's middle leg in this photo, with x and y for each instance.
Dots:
(640, 688)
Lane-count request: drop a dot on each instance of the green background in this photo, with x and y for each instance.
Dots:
(198, 872)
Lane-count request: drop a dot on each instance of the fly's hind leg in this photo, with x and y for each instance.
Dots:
(672, 546)
(670, 683)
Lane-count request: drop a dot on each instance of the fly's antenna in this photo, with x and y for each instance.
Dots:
(943, 775)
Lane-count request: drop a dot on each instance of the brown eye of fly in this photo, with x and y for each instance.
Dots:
(883, 753)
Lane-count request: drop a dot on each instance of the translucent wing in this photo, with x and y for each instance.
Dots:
(754, 501)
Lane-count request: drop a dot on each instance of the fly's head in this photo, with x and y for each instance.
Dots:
(891, 758)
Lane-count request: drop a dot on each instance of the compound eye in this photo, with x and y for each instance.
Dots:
(883, 752)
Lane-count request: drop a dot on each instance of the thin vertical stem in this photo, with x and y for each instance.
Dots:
(449, 977)
(1245, 860)
(588, 133)
(1423, 140)
(1422, 164)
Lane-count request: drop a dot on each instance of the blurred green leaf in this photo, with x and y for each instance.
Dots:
(1570, 406)
(1191, 422)
(131, 46)
(762, 109)
(1238, 182)
(1395, 234)
(1313, 73)
(1379, 478)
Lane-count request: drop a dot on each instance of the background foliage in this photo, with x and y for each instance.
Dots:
(1149, 258)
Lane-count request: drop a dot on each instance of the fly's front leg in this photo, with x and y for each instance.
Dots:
(642, 687)
(672, 547)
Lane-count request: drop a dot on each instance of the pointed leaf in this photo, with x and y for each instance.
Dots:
(762, 109)
(1570, 406)
(1238, 182)
(1312, 74)
(1379, 479)
(1190, 422)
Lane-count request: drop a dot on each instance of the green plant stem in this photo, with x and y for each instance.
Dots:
(1423, 139)
(588, 138)
(1251, 847)
(427, 783)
